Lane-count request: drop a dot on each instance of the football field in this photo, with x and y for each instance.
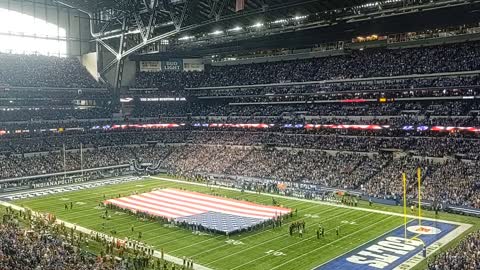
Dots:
(267, 248)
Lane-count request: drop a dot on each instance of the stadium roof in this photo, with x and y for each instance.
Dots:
(224, 13)
(270, 8)
(203, 27)
(211, 18)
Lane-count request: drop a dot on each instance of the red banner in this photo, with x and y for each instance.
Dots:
(240, 5)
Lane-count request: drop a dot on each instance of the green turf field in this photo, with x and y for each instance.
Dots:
(262, 249)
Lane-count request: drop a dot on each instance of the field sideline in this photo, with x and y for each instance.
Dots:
(262, 249)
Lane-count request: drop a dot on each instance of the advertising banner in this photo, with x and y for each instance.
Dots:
(150, 66)
(173, 65)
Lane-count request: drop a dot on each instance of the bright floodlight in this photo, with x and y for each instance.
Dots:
(185, 38)
(297, 18)
(280, 21)
(236, 28)
(217, 32)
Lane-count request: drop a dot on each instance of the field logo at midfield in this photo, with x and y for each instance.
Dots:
(391, 249)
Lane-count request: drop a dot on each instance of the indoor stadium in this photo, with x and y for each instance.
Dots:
(239, 134)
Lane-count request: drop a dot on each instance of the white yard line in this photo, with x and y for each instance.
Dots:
(357, 247)
(269, 240)
(310, 201)
(329, 244)
(80, 198)
(410, 263)
(220, 236)
(281, 236)
(79, 211)
(434, 247)
(156, 253)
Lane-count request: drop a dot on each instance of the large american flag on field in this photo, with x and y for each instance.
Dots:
(173, 203)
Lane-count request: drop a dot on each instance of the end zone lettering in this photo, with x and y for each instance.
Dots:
(390, 250)
(385, 252)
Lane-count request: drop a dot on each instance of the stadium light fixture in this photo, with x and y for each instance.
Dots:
(280, 21)
(235, 29)
(297, 18)
(258, 25)
(186, 38)
(217, 32)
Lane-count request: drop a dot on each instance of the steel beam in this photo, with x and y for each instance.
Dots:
(109, 66)
(216, 8)
(108, 47)
(120, 60)
(139, 22)
(99, 61)
(151, 22)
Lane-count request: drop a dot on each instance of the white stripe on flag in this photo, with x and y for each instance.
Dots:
(206, 206)
(142, 209)
(157, 208)
(155, 203)
(237, 204)
(218, 207)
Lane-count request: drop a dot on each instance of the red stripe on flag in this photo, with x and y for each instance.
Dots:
(219, 207)
(215, 207)
(172, 203)
(158, 204)
(243, 204)
(139, 208)
(170, 210)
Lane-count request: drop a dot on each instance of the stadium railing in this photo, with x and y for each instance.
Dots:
(414, 76)
(308, 188)
(464, 210)
(51, 175)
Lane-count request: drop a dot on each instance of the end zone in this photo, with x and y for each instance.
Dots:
(392, 251)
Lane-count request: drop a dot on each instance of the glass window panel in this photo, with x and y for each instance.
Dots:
(24, 34)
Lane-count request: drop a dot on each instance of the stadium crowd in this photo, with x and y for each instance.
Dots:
(53, 162)
(22, 249)
(52, 113)
(44, 104)
(365, 141)
(366, 161)
(458, 112)
(358, 64)
(419, 85)
(44, 71)
(377, 174)
(454, 112)
(465, 256)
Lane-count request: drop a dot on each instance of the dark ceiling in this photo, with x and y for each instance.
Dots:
(413, 22)
(223, 13)
(270, 9)
(204, 16)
